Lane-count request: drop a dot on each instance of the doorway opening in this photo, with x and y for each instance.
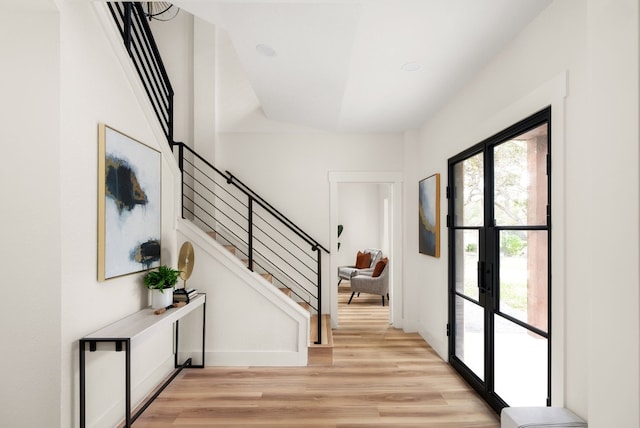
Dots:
(363, 224)
(373, 201)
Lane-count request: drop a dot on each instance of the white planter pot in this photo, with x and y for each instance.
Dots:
(161, 300)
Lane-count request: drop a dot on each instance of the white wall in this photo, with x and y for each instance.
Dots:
(60, 79)
(594, 151)
(287, 164)
(204, 90)
(187, 45)
(175, 40)
(359, 213)
(614, 313)
(30, 189)
(94, 88)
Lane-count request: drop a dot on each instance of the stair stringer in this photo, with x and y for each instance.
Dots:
(249, 321)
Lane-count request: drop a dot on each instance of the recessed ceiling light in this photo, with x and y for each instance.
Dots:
(411, 66)
(265, 50)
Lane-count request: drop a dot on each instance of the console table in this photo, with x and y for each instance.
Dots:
(128, 333)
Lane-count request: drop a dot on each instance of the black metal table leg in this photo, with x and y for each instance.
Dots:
(128, 383)
(82, 386)
(204, 324)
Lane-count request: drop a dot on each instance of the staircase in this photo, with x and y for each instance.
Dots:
(223, 206)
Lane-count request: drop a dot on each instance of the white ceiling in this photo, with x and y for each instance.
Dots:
(338, 63)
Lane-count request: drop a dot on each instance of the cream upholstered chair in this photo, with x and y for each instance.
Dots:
(347, 272)
(363, 283)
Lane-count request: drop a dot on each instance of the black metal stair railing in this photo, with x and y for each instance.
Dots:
(141, 46)
(219, 202)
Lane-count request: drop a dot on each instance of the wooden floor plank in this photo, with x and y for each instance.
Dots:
(380, 377)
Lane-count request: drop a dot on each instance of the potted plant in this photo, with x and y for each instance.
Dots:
(161, 282)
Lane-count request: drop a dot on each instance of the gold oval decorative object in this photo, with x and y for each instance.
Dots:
(186, 259)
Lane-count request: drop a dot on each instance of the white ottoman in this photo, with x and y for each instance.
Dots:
(539, 417)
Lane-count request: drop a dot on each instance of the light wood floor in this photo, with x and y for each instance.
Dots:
(380, 377)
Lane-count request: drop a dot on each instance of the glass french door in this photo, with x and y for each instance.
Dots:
(499, 264)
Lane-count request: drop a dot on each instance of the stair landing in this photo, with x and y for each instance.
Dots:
(320, 354)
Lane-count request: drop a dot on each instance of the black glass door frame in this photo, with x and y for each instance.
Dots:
(486, 297)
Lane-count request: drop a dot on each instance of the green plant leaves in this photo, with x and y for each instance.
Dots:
(163, 277)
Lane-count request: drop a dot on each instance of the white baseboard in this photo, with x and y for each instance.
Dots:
(256, 358)
(438, 345)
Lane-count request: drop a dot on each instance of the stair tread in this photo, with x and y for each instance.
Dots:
(305, 305)
(286, 291)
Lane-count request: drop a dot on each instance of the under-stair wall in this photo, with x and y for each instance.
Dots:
(249, 321)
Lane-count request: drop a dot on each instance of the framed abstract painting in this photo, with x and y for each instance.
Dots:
(129, 205)
(429, 216)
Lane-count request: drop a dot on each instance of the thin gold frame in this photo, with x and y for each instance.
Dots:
(429, 213)
(108, 138)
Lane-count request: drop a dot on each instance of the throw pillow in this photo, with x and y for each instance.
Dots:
(379, 267)
(363, 260)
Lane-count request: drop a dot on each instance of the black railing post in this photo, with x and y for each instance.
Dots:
(181, 156)
(170, 117)
(250, 232)
(128, 7)
(319, 341)
(181, 166)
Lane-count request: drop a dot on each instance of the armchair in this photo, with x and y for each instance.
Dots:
(348, 272)
(371, 284)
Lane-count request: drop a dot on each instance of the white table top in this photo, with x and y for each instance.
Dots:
(142, 323)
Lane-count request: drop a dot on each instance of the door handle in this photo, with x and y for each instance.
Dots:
(481, 278)
(485, 271)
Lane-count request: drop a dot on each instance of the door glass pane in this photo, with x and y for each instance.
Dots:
(523, 276)
(520, 179)
(467, 263)
(470, 335)
(469, 192)
(520, 364)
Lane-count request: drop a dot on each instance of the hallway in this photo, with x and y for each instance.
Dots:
(380, 377)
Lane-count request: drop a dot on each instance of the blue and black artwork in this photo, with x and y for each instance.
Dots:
(132, 186)
(428, 216)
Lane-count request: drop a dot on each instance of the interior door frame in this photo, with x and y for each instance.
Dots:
(487, 299)
(394, 179)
